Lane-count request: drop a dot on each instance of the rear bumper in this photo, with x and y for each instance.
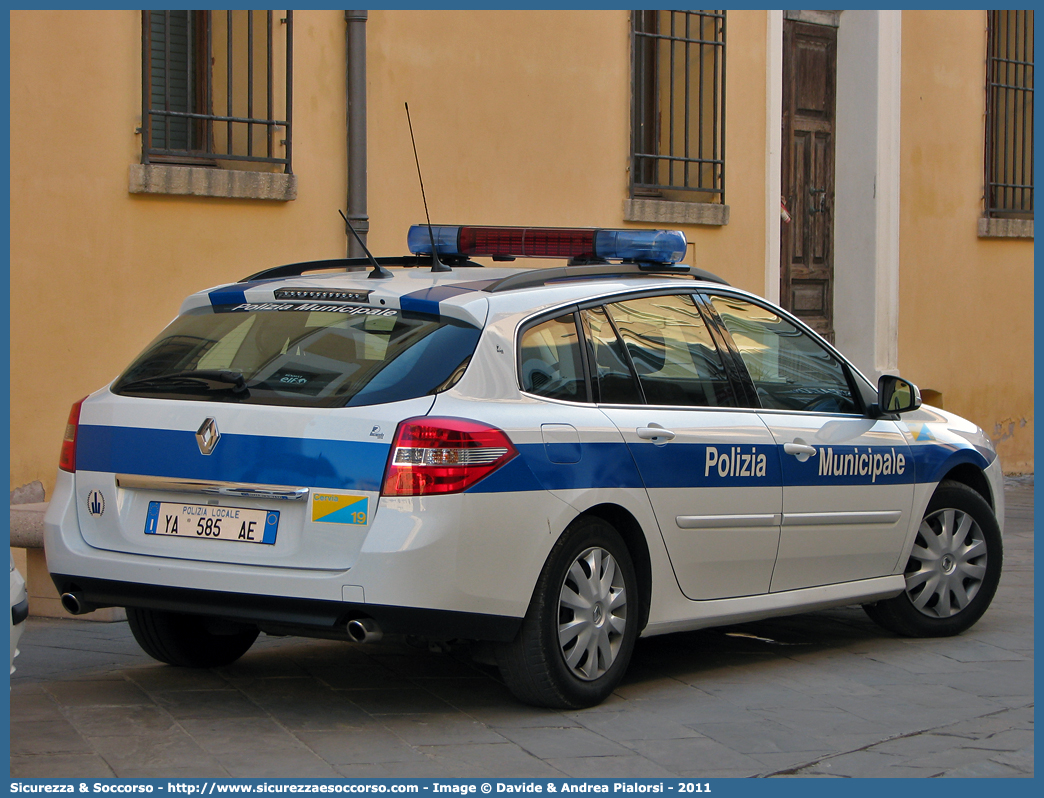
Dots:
(309, 617)
(426, 567)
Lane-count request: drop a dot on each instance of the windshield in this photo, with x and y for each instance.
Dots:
(283, 355)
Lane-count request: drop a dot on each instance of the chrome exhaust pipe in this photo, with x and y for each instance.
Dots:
(364, 630)
(75, 605)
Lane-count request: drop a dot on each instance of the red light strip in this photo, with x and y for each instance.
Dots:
(527, 242)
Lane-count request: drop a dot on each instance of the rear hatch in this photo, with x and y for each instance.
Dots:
(257, 435)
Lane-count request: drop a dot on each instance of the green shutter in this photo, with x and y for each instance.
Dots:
(172, 77)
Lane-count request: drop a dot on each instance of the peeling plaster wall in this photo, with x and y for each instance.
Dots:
(965, 303)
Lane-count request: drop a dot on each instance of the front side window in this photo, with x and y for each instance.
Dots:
(217, 87)
(673, 353)
(301, 358)
(678, 112)
(1009, 114)
(789, 368)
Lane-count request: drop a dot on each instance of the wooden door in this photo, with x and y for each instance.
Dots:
(807, 246)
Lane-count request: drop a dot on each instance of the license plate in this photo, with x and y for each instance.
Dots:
(208, 522)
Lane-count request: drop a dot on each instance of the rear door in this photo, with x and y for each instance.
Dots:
(847, 478)
(280, 486)
(710, 467)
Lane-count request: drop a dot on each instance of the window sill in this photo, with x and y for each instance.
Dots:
(1005, 228)
(195, 181)
(666, 212)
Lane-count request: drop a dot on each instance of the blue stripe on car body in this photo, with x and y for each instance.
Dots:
(227, 296)
(427, 300)
(605, 465)
(681, 465)
(259, 459)
(932, 461)
(353, 465)
(235, 294)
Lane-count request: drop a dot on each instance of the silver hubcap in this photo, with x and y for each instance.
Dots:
(592, 614)
(947, 564)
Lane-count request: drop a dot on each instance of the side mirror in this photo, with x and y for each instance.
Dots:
(896, 395)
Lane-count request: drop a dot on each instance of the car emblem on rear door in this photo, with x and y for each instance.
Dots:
(207, 436)
(96, 504)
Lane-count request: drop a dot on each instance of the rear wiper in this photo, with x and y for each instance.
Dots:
(211, 379)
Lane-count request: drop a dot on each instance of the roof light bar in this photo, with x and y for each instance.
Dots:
(643, 246)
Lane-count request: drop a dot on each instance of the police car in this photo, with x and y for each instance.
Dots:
(550, 462)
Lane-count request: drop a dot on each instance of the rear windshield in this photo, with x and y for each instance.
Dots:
(328, 358)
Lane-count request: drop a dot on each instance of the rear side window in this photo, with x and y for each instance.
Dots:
(672, 351)
(549, 360)
(613, 374)
(302, 358)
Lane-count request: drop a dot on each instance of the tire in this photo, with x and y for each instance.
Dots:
(189, 641)
(953, 570)
(578, 634)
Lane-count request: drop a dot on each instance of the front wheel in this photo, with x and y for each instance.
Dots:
(953, 570)
(190, 641)
(578, 634)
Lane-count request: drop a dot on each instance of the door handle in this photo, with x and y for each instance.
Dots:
(655, 433)
(800, 450)
(816, 204)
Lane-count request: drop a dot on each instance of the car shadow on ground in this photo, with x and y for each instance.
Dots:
(452, 674)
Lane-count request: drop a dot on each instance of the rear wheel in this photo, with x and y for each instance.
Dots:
(578, 634)
(190, 641)
(953, 570)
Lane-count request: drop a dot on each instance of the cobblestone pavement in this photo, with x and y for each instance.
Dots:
(821, 694)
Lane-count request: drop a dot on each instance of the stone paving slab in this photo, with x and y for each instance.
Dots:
(506, 760)
(820, 695)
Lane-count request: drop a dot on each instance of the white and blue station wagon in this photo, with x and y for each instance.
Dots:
(550, 462)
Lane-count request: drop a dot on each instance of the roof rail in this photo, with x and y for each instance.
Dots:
(538, 277)
(350, 264)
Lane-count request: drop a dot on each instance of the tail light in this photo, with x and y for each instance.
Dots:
(443, 455)
(67, 459)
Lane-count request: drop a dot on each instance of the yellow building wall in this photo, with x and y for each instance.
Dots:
(97, 272)
(965, 303)
(523, 118)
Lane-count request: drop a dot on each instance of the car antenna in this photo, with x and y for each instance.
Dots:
(379, 272)
(436, 264)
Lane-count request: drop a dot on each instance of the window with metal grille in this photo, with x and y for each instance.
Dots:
(1009, 114)
(217, 87)
(678, 113)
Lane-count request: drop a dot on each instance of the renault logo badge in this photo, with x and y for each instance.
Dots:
(207, 436)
